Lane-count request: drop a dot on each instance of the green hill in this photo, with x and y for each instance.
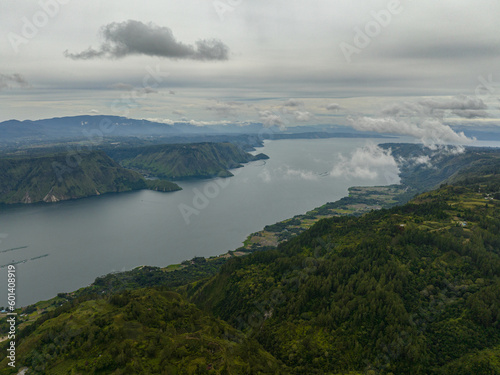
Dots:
(423, 168)
(410, 290)
(414, 289)
(178, 161)
(53, 178)
(147, 331)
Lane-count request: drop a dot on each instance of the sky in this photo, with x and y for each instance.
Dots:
(406, 67)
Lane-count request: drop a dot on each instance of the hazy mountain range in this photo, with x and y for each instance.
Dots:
(96, 129)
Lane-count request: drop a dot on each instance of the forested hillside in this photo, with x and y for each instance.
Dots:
(147, 331)
(58, 177)
(195, 160)
(413, 289)
(410, 290)
(423, 168)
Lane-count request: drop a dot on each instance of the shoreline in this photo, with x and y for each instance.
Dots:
(360, 200)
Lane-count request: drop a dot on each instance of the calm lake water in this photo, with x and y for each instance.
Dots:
(91, 237)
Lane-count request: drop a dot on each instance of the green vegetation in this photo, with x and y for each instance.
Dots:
(178, 161)
(360, 201)
(423, 168)
(52, 178)
(162, 185)
(62, 176)
(147, 331)
(409, 289)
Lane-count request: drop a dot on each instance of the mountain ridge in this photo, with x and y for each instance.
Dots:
(410, 289)
(54, 178)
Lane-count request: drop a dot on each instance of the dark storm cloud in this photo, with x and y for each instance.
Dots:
(8, 81)
(137, 38)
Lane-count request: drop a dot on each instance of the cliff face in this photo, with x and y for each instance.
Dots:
(56, 177)
(178, 161)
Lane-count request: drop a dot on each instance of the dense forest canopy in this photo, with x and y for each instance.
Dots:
(413, 289)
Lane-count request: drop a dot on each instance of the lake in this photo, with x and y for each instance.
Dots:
(94, 236)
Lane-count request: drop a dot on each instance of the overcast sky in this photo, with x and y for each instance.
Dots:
(368, 64)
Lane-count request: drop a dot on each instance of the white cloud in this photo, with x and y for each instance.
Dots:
(205, 123)
(367, 162)
(457, 150)
(304, 175)
(186, 121)
(270, 119)
(303, 116)
(270, 56)
(265, 175)
(422, 159)
(162, 120)
(428, 131)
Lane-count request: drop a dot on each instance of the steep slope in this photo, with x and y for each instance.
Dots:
(178, 161)
(410, 290)
(140, 332)
(413, 289)
(59, 177)
(423, 168)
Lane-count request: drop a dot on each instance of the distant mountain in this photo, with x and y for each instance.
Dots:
(54, 178)
(96, 129)
(178, 161)
(81, 127)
